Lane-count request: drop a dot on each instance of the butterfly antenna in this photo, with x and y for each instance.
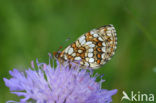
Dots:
(54, 53)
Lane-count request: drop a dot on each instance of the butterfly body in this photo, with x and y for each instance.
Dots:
(93, 49)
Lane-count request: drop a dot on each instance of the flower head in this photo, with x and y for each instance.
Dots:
(60, 84)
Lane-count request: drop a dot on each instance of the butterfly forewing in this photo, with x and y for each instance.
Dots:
(93, 49)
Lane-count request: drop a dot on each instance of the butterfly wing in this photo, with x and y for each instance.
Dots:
(94, 48)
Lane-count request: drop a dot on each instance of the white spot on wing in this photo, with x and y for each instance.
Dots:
(87, 59)
(108, 32)
(91, 60)
(103, 44)
(90, 54)
(83, 42)
(93, 31)
(109, 28)
(92, 45)
(81, 38)
(104, 49)
(79, 51)
(115, 47)
(77, 58)
(70, 51)
(103, 55)
(66, 50)
(102, 62)
(93, 65)
(90, 50)
(100, 39)
(77, 44)
(74, 54)
(95, 35)
(88, 43)
(65, 57)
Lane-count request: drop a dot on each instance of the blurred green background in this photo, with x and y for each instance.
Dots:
(29, 29)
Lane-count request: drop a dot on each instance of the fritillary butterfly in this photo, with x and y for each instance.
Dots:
(93, 49)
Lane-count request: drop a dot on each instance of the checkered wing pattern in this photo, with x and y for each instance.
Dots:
(93, 49)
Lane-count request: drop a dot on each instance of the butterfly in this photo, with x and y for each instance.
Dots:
(93, 49)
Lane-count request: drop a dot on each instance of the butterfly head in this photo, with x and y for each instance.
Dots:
(57, 53)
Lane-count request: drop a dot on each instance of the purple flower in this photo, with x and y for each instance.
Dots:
(60, 84)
